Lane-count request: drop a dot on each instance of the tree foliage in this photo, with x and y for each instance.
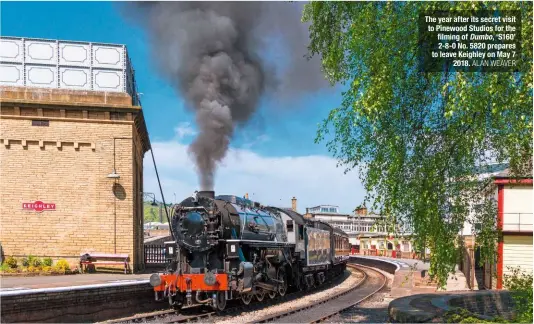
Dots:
(416, 138)
(521, 285)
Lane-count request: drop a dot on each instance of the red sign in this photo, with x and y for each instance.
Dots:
(39, 206)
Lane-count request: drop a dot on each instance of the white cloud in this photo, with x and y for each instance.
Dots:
(184, 130)
(258, 140)
(313, 179)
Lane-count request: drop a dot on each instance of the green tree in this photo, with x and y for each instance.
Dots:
(520, 284)
(415, 137)
(151, 213)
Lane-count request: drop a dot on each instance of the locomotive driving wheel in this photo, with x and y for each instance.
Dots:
(220, 301)
(260, 294)
(246, 298)
(272, 294)
(282, 288)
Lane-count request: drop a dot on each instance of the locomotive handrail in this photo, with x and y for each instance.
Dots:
(196, 207)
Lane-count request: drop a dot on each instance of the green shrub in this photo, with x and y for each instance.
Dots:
(36, 262)
(25, 262)
(47, 262)
(520, 284)
(62, 265)
(11, 262)
(461, 315)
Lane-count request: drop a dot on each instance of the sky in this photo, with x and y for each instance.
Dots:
(273, 158)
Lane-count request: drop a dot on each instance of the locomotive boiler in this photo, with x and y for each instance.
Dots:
(227, 247)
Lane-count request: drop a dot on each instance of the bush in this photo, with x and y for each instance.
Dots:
(11, 262)
(4, 267)
(36, 262)
(62, 265)
(47, 268)
(520, 284)
(47, 262)
(460, 315)
(25, 262)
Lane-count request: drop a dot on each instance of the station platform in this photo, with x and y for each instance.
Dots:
(19, 283)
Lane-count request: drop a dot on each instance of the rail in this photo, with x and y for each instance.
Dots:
(517, 222)
(190, 314)
(353, 294)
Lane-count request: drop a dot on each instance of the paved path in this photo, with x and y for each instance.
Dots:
(8, 283)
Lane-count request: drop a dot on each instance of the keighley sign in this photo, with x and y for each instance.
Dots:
(39, 206)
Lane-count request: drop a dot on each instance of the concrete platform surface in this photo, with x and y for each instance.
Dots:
(403, 263)
(10, 283)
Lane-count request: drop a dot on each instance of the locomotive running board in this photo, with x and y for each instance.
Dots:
(255, 243)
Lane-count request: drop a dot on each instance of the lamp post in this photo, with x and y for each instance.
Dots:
(149, 194)
(152, 196)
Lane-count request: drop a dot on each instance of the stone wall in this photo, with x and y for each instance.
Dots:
(83, 305)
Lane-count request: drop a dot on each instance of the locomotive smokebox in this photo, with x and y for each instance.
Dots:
(207, 194)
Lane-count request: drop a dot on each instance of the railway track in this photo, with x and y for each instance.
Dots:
(330, 306)
(187, 316)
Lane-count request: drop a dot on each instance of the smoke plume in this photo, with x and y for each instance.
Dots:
(213, 53)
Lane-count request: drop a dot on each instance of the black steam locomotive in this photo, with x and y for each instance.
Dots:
(228, 247)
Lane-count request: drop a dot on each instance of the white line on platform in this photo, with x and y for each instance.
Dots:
(27, 291)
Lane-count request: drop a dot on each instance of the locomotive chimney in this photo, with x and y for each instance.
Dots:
(207, 194)
(294, 204)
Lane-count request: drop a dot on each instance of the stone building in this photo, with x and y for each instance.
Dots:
(71, 152)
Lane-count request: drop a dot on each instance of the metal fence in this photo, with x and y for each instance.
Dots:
(154, 254)
(517, 222)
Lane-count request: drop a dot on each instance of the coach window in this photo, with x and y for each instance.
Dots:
(289, 225)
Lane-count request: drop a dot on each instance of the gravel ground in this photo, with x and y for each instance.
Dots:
(252, 316)
(373, 310)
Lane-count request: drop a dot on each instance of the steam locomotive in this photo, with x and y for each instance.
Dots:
(228, 247)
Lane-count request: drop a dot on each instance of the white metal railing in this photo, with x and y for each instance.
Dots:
(517, 222)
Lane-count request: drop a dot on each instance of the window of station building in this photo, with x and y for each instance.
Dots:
(301, 232)
(289, 225)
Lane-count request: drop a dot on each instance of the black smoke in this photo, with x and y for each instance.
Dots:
(212, 52)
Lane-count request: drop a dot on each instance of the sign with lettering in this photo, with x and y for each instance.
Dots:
(38, 206)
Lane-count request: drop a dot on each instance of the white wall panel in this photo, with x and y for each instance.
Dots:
(75, 78)
(11, 74)
(108, 80)
(74, 54)
(108, 56)
(517, 252)
(66, 64)
(41, 76)
(517, 199)
(41, 52)
(11, 50)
